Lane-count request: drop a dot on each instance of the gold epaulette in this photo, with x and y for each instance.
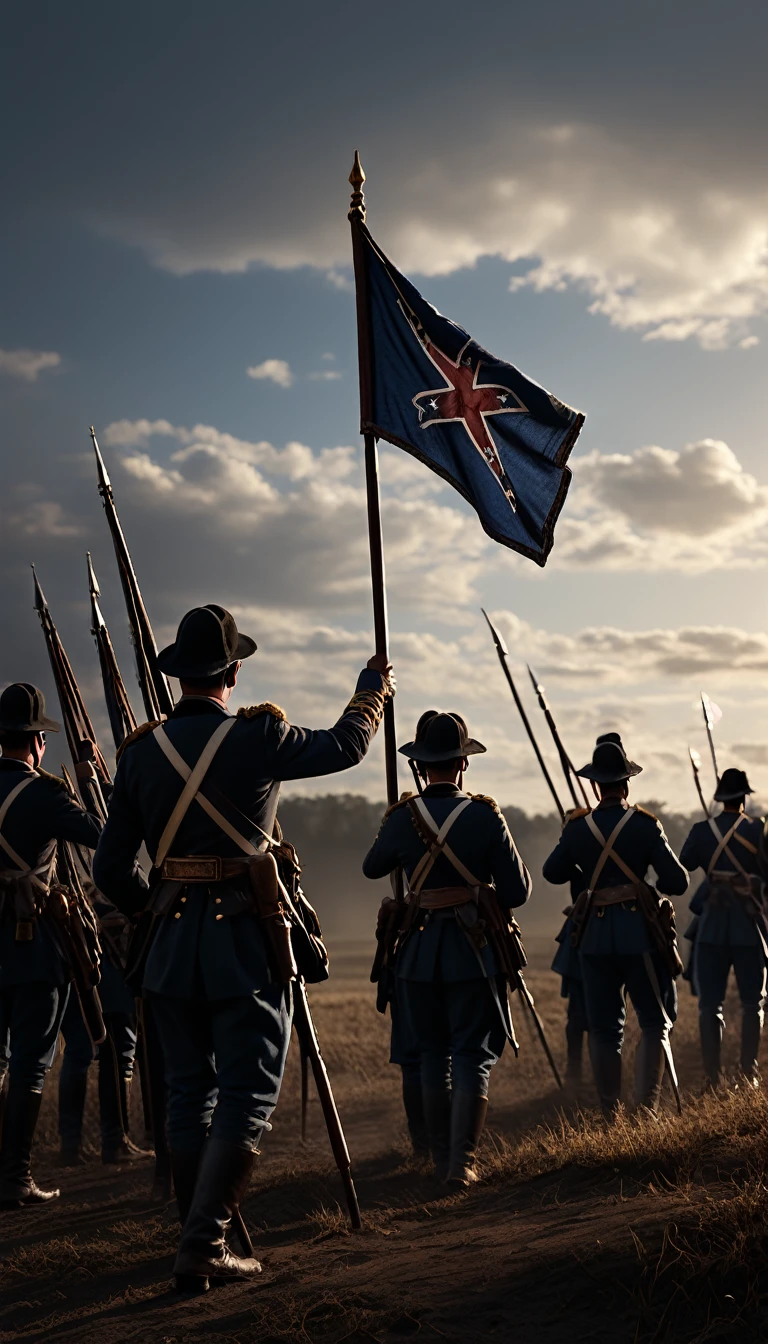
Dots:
(253, 711)
(486, 798)
(53, 779)
(575, 813)
(137, 733)
(645, 813)
(402, 800)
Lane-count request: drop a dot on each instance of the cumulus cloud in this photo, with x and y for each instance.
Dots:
(691, 510)
(45, 520)
(28, 364)
(274, 370)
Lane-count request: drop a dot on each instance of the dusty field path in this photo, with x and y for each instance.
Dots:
(569, 1236)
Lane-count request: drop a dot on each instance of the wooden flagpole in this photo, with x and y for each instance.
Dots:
(365, 364)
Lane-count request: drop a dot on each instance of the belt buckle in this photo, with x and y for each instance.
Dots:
(202, 868)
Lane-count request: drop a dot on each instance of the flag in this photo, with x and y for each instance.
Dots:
(494, 434)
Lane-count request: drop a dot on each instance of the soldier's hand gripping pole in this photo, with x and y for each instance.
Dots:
(305, 1029)
(503, 653)
(527, 998)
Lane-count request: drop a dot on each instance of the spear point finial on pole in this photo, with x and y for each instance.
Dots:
(93, 582)
(356, 180)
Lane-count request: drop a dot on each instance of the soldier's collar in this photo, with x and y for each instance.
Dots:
(8, 763)
(443, 791)
(198, 704)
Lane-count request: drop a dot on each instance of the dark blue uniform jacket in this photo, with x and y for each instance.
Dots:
(196, 953)
(723, 918)
(44, 811)
(438, 947)
(616, 930)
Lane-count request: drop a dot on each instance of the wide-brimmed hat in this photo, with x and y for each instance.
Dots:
(207, 642)
(610, 763)
(22, 710)
(731, 785)
(441, 737)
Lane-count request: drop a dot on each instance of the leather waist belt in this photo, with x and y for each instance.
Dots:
(202, 868)
(615, 895)
(439, 898)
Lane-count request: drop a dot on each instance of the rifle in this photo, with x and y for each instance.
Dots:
(122, 719)
(305, 1030)
(709, 723)
(503, 653)
(91, 770)
(155, 691)
(565, 760)
(695, 760)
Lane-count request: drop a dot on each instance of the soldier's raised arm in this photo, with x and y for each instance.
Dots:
(297, 752)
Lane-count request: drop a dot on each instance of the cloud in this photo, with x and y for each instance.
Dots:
(325, 375)
(27, 364)
(275, 370)
(691, 510)
(45, 520)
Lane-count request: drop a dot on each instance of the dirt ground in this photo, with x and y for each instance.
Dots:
(574, 1248)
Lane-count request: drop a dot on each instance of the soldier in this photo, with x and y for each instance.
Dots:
(731, 929)
(448, 990)
(609, 852)
(36, 810)
(223, 1021)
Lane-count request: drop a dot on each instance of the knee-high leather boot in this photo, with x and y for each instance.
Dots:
(17, 1188)
(437, 1115)
(413, 1101)
(649, 1071)
(711, 1035)
(751, 1027)
(222, 1181)
(606, 1068)
(468, 1114)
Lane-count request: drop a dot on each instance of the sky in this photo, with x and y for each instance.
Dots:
(582, 187)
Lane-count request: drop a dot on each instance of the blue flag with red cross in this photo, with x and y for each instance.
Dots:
(495, 435)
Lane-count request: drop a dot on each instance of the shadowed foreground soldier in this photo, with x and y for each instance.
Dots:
(624, 931)
(36, 810)
(223, 1018)
(731, 929)
(450, 997)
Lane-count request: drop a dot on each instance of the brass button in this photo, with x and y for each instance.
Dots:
(183, 899)
(633, 909)
(217, 901)
(219, 916)
(177, 915)
(421, 928)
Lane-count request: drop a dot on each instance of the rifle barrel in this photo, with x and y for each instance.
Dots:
(565, 760)
(154, 687)
(502, 652)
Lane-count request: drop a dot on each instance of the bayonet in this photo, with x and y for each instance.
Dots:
(122, 719)
(709, 723)
(503, 654)
(565, 760)
(695, 760)
(91, 770)
(154, 687)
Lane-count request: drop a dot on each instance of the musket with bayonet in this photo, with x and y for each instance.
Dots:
(122, 719)
(503, 655)
(709, 723)
(155, 691)
(565, 760)
(91, 773)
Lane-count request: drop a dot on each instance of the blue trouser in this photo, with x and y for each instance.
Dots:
(116, 1057)
(456, 1028)
(712, 966)
(576, 1023)
(606, 979)
(224, 1062)
(30, 1021)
